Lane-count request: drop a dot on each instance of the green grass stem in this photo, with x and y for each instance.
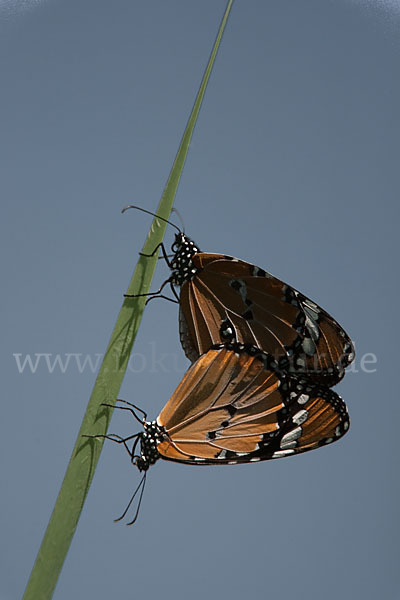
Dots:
(85, 455)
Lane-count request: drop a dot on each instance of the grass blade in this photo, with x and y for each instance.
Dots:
(85, 455)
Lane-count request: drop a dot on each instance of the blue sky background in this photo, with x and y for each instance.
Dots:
(293, 166)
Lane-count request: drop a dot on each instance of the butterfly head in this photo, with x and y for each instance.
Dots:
(152, 435)
(182, 266)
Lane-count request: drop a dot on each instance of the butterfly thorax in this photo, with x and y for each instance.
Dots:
(152, 435)
(181, 264)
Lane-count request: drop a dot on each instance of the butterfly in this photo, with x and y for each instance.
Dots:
(235, 406)
(225, 299)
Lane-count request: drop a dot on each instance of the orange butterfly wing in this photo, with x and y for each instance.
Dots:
(231, 407)
(229, 295)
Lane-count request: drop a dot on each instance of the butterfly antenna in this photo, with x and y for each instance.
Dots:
(175, 210)
(151, 213)
(141, 485)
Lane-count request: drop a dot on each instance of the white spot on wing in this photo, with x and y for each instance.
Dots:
(285, 445)
(310, 304)
(308, 347)
(243, 291)
(311, 317)
(300, 417)
(289, 439)
(280, 453)
(300, 362)
(242, 288)
(303, 399)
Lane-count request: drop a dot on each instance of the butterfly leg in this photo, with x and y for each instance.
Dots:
(133, 406)
(171, 285)
(119, 440)
(160, 245)
(131, 410)
(148, 293)
(166, 297)
(163, 297)
(165, 255)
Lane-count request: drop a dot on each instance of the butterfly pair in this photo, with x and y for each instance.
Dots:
(264, 359)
